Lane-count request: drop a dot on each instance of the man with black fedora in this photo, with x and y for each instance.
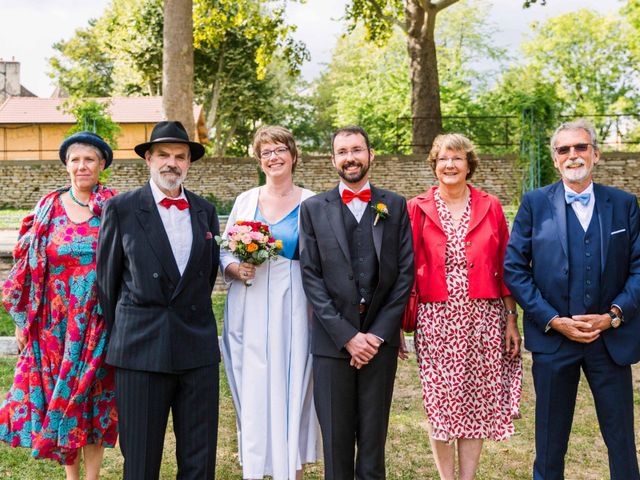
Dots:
(157, 264)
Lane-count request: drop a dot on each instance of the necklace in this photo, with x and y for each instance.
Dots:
(76, 200)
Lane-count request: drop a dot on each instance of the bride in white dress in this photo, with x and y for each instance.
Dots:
(265, 339)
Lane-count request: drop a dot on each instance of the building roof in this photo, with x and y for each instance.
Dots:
(21, 110)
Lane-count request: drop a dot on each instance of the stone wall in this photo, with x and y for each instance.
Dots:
(22, 183)
(410, 175)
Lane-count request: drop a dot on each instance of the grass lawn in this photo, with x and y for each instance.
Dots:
(7, 327)
(408, 452)
(10, 219)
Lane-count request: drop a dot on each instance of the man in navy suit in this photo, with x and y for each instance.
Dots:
(157, 264)
(573, 264)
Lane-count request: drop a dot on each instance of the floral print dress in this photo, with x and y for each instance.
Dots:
(63, 397)
(471, 388)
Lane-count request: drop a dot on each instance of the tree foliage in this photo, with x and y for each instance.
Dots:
(240, 47)
(586, 56)
(417, 19)
(369, 83)
(92, 116)
(83, 66)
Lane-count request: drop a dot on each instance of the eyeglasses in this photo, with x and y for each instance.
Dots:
(578, 147)
(357, 151)
(444, 160)
(266, 154)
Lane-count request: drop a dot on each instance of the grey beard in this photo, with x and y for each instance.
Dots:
(162, 182)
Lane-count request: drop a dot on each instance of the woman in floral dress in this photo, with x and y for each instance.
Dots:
(62, 399)
(467, 339)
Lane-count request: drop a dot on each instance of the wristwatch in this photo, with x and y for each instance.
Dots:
(615, 319)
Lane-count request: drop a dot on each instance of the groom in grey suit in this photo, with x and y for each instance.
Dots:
(357, 271)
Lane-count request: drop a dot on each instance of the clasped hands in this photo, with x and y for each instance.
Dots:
(582, 328)
(362, 347)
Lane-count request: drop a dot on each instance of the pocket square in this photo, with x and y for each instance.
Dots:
(208, 236)
(619, 231)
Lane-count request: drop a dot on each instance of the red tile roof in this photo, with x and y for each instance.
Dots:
(49, 110)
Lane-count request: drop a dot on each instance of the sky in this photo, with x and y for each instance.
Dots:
(31, 27)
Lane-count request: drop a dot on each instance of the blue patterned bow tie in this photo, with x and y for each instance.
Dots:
(583, 198)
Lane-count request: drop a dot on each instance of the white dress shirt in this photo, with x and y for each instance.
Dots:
(583, 212)
(356, 206)
(177, 224)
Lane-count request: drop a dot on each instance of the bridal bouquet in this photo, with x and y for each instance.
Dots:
(250, 242)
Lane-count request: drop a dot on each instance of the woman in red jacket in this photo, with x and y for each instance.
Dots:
(467, 339)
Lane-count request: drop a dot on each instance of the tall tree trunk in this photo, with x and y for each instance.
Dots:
(423, 66)
(177, 63)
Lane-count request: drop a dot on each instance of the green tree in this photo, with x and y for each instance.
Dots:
(534, 105)
(417, 19)
(83, 66)
(587, 57)
(631, 12)
(94, 117)
(245, 60)
(236, 44)
(369, 84)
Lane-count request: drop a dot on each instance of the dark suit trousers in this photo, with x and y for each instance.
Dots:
(556, 378)
(144, 400)
(353, 408)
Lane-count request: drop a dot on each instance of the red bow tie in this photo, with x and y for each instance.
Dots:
(179, 203)
(348, 195)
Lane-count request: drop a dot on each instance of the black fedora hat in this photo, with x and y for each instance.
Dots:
(88, 138)
(171, 132)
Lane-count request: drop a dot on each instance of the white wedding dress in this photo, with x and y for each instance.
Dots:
(267, 360)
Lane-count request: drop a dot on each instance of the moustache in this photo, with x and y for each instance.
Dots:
(175, 170)
(573, 163)
(351, 163)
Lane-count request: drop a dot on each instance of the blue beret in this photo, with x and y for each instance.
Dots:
(90, 139)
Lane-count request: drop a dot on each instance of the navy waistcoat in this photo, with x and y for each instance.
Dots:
(584, 263)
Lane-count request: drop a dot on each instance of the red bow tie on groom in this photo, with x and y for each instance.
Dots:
(348, 195)
(179, 203)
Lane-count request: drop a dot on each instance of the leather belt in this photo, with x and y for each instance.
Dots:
(362, 308)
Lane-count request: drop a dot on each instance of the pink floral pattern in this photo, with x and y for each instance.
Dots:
(63, 395)
(471, 388)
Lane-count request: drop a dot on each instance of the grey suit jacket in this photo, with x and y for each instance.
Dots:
(329, 281)
(158, 320)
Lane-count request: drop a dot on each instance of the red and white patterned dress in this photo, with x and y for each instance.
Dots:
(471, 388)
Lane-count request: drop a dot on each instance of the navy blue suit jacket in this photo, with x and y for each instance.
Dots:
(537, 267)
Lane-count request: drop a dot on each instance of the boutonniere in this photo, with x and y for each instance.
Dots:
(382, 212)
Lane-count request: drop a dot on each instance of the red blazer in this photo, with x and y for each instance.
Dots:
(485, 244)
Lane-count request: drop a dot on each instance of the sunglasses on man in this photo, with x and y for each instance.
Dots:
(578, 147)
